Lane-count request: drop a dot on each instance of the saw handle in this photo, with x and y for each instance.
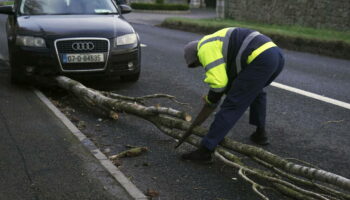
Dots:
(205, 112)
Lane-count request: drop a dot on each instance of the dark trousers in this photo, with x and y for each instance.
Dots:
(246, 90)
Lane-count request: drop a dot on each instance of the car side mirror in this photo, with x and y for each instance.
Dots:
(8, 10)
(125, 8)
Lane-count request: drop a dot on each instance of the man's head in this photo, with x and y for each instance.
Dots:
(191, 57)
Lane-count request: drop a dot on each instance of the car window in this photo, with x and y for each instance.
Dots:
(56, 7)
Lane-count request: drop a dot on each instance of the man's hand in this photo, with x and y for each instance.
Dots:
(205, 112)
(208, 103)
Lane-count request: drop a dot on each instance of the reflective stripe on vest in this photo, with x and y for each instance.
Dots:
(214, 64)
(226, 43)
(243, 47)
(255, 53)
(259, 50)
(211, 40)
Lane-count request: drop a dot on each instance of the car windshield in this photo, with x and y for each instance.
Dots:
(67, 7)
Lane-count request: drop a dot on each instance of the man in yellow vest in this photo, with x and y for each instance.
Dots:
(238, 62)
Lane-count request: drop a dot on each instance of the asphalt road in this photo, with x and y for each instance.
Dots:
(299, 127)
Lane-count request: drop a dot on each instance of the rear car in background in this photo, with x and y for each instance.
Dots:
(77, 38)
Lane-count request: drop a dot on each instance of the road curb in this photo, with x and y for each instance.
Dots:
(133, 191)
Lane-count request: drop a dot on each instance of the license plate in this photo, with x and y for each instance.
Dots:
(83, 58)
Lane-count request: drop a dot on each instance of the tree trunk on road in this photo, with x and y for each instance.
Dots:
(299, 181)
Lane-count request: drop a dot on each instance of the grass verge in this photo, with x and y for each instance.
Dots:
(159, 6)
(5, 3)
(320, 41)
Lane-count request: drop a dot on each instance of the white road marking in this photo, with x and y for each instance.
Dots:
(143, 45)
(312, 95)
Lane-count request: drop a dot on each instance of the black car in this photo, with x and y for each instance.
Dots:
(77, 38)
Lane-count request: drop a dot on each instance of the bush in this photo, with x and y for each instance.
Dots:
(159, 6)
(159, 1)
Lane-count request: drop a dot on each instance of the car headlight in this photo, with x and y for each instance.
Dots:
(125, 39)
(29, 41)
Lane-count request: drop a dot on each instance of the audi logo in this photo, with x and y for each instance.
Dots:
(83, 46)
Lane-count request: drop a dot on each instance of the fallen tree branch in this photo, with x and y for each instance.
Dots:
(174, 123)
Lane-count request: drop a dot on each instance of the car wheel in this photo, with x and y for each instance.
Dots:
(130, 78)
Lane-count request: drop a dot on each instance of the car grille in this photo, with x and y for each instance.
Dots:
(65, 46)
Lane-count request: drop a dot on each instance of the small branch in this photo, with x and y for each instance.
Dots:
(142, 99)
(333, 121)
(291, 193)
(170, 111)
(121, 97)
(308, 183)
(130, 153)
(268, 178)
(172, 98)
(254, 184)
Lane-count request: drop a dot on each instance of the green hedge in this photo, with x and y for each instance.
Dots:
(152, 6)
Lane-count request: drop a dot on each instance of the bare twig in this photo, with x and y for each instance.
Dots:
(130, 153)
(255, 185)
(333, 121)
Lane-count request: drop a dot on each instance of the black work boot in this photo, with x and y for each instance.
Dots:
(202, 155)
(259, 137)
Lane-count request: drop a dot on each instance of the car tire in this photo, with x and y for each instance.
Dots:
(130, 78)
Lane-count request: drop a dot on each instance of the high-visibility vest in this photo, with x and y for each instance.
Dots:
(213, 54)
